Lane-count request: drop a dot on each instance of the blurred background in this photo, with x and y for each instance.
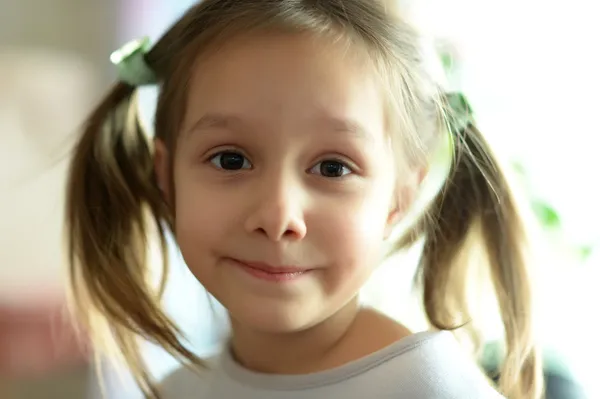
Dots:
(529, 67)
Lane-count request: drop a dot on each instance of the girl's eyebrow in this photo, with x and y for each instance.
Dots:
(215, 120)
(220, 120)
(344, 125)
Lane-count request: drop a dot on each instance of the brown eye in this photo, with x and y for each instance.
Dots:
(229, 160)
(331, 169)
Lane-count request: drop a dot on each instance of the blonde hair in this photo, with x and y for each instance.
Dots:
(114, 205)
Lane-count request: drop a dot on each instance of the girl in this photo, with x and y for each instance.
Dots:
(291, 138)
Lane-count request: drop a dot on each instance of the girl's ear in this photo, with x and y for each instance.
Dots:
(393, 218)
(404, 197)
(161, 168)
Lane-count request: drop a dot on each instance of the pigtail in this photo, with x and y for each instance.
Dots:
(476, 201)
(110, 194)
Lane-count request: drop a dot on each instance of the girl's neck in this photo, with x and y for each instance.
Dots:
(350, 334)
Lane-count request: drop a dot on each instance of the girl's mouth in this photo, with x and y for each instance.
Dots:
(266, 272)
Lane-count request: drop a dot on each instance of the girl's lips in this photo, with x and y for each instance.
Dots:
(271, 273)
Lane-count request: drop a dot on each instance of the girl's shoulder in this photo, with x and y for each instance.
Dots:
(436, 365)
(184, 382)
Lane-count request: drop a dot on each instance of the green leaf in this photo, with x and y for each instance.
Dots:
(585, 251)
(518, 168)
(447, 61)
(547, 215)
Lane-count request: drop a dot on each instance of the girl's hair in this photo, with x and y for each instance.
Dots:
(113, 193)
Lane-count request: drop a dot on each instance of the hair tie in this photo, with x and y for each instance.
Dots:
(131, 63)
(461, 112)
(459, 117)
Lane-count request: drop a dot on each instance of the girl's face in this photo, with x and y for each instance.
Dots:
(284, 179)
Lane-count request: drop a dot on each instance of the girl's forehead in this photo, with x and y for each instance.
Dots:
(274, 71)
(269, 50)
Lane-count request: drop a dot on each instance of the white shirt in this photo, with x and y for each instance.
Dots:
(428, 365)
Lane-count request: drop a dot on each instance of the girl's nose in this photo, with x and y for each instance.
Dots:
(278, 213)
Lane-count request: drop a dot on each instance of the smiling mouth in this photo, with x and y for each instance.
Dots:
(277, 274)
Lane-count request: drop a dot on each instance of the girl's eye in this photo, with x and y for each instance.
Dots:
(229, 160)
(331, 169)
